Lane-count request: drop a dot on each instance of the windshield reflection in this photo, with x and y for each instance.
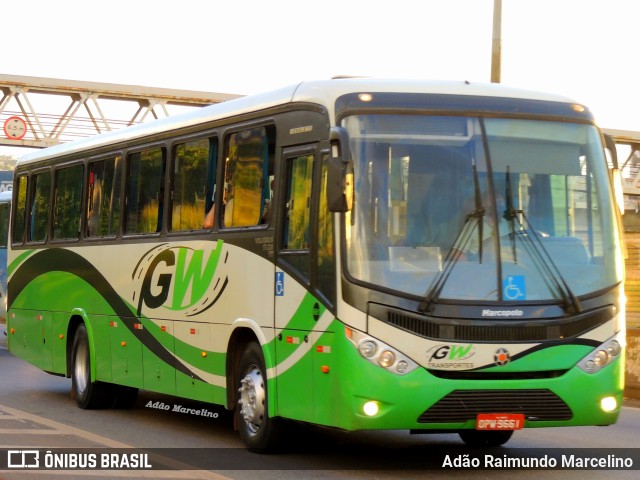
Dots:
(459, 208)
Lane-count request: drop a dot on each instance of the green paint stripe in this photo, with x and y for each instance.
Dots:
(18, 260)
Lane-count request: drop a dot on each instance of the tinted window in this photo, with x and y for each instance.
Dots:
(104, 196)
(145, 191)
(68, 198)
(20, 210)
(193, 182)
(247, 185)
(40, 201)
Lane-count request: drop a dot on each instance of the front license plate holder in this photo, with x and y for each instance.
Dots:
(499, 421)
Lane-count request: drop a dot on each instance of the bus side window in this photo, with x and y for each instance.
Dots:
(326, 257)
(4, 223)
(103, 197)
(67, 200)
(193, 179)
(247, 185)
(298, 212)
(40, 201)
(20, 210)
(145, 191)
(296, 235)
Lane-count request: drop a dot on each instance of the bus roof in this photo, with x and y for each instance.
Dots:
(322, 92)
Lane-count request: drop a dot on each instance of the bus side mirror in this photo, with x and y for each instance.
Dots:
(610, 145)
(339, 172)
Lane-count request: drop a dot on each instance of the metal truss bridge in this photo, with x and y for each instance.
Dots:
(41, 112)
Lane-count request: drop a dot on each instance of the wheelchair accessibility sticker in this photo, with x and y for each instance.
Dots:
(513, 288)
(279, 284)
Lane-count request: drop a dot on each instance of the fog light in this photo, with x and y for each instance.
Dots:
(608, 404)
(370, 408)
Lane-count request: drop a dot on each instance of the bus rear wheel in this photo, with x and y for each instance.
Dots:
(258, 431)
(476, 438)
(87, 394)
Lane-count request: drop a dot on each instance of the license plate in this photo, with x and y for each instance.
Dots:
(499, 421)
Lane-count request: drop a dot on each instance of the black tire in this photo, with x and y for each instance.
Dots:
(258, 432)
(87, 394)
(476, 438)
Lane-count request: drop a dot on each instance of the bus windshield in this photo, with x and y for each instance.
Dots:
(480, 209)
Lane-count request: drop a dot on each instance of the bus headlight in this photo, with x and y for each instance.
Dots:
(367, 348)
(402, 366)
(601, 356)
(386, 359)
(379, 353)
(614, 348)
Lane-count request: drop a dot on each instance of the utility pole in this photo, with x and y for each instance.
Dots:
(496, 50)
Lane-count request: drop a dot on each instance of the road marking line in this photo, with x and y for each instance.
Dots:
(62, 429)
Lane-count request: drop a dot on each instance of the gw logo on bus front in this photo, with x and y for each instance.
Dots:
(178, 278)
(450, 353)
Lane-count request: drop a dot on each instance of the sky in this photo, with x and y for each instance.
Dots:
(584, 49)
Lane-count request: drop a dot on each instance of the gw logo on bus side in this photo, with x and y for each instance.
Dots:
(177, 278)
(450, 352)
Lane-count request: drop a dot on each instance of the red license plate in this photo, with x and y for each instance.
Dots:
(499, 421)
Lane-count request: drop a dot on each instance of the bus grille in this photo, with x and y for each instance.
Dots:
(462, 405)
(503, 332)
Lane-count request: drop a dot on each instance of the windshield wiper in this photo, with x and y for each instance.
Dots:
(472, 220)
(510, 215)
(455, 252)
(535, 248)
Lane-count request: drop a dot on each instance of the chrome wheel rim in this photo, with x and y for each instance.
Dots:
(81, 368)
(252, 399)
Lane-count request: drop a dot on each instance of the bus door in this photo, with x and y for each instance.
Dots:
(297, 307)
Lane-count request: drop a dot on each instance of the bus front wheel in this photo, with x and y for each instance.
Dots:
(258, 431)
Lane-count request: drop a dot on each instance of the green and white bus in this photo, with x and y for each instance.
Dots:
(353, 253)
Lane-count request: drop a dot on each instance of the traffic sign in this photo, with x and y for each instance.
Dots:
(15, 128)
